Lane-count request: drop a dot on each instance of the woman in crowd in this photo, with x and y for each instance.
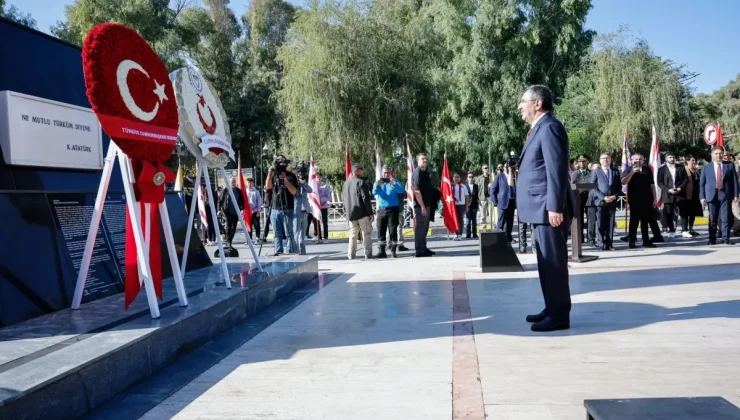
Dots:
(689, 207)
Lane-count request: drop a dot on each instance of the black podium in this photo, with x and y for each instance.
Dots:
(496, 253)
(576, 228)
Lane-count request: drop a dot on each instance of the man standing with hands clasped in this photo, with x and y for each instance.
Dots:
(545, 200)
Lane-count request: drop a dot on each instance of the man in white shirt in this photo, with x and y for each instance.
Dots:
(255, 204)
(671, 181)
(462, 200)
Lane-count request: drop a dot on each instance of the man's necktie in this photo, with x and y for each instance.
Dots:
(528, 133)
(719, 176)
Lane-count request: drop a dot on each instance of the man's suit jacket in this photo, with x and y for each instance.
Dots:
(500, 193)
(473, 191)
(666, 182)
(708, 181)
(544, 183)
(605, 188)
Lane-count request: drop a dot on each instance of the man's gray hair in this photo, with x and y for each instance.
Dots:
(543, 94)
(637, 154)
(605, 154)
(720, 148)
(387, 168)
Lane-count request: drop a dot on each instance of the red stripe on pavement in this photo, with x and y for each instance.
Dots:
(467, 393)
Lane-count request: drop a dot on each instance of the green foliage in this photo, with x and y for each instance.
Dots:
(723, 107)
(623, 87)
(14, 14)
(447, 75)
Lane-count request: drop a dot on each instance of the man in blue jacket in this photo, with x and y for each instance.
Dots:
(718, 189)
(503, 196)
(545, 199)
(387, 189)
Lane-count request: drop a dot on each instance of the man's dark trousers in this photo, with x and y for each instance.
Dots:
(591, 221)
(420, 231)
(719, 207)
(551, 245)
(231, 221)
(605, 220)
(644, 220)
(388, 222)
(668, 215)
(506, 218)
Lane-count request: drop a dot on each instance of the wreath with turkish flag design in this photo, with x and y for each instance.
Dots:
(131, 94)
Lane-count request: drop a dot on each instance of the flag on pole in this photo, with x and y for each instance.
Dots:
(654, 163)
(347, 165)
(449, 212)
(626, 163)
(409, 175)
(180, 184)
(247, 212)
(313, 198)
(378, 164)
(720, 138)
(202, 202)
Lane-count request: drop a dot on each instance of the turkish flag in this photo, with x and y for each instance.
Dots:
(449, 213)
(347, 165)
(720, 138)
(247, 208)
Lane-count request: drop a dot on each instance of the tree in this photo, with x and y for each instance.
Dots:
(723, 107)
(446, 74)
(352, 80)
(624, 87)
(14, 14)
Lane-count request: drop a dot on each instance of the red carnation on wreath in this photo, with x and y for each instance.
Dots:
(131, 94)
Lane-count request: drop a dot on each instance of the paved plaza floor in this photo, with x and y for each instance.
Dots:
(435, 338)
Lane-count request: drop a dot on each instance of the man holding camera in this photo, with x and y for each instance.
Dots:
(282, 183)
(387, 189)
(359, 210)
(301, 210)
(641, 200)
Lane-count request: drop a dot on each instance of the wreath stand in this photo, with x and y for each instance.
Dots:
(141, 238)
(214, 219)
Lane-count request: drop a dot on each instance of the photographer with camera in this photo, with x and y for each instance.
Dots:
(302, 208)
(387, 189)
(282, 183)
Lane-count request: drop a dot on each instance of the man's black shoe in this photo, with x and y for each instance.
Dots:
(657, 239)
(649, 245)
(429, 252)
(727, 242)
(625, 238)
(537, 318)
(548, 325)
(711, 242)
(475, 236)
(402, 248)
(632, 245)
(421, 255)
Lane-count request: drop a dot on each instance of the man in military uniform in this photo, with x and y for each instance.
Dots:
(582, 175)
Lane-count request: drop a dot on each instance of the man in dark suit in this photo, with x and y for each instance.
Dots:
(545, 199)
(503, 196)
(471, 217)
(718, 188)
(608, 189)
(671, 180)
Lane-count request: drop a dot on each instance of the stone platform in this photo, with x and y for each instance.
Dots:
(64, 364)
